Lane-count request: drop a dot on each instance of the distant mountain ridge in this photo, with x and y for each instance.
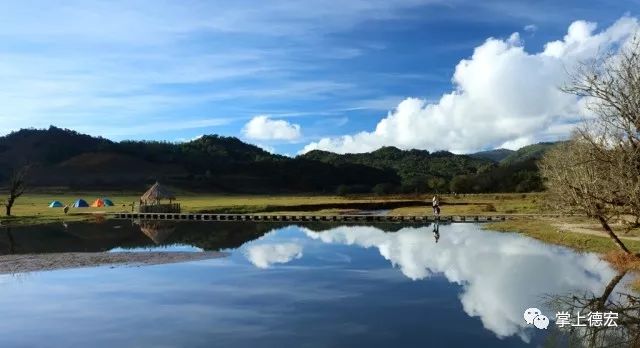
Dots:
(526, 153)
(496, 155)
(65, 158)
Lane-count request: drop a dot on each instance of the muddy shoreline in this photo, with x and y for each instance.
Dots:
(11, 264)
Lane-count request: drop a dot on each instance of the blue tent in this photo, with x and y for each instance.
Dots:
(56, 204)
(80, 203)
(107, 202)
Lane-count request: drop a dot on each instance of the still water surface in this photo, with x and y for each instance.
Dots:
(303, 286)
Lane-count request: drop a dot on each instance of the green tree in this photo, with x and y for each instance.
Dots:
(437, 184)
(461, 184)
(383, 189)
(342, 190)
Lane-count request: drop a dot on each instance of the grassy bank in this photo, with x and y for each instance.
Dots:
(33, 208)
(575, 232)
(483, 204)
(562, 231)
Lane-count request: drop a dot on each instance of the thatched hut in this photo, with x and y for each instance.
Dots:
(151, 201)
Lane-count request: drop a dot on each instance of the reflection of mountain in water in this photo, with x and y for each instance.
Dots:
(87, 237)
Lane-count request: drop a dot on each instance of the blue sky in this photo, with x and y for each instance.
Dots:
(299, 75)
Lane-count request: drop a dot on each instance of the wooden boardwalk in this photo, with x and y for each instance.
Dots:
(308, 218)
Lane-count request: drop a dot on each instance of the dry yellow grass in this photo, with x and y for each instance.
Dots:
(483, 204)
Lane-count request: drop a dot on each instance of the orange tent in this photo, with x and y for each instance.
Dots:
(97, 203)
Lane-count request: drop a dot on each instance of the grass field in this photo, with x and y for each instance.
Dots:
(575, 232)
(33, 208)
(484, 204)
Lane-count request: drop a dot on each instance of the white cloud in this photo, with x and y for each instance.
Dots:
(264, 128)
(500, 274)
(530, 28)
(502, 95)
(516, 144)
(95, 65)
(186, 140)
(269, 149)
(265, 255)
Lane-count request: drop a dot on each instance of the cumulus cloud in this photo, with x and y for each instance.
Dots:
(500, 274)
(503, 97)
(530, 28)
(269, 149)
(265, 255)
(264, 128)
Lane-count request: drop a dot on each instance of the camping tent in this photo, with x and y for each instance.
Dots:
(97, 203)
(80, 203)
(56, 204)
(107, 202)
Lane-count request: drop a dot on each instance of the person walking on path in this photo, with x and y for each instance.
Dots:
(436, 206)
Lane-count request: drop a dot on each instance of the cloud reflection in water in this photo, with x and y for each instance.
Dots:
(500, 274)
(265, 255)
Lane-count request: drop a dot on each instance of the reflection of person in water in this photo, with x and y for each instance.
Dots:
(436, 231)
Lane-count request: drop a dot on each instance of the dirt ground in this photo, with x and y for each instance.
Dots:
(586, 228)
(11, 264)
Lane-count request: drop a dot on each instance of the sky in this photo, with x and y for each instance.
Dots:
(293, 76)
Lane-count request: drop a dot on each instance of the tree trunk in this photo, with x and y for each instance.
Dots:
(12, 241)
(602, 301)
(8, 209)
(600, 304)
(612, 235)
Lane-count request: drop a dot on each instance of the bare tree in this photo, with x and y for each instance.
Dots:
(598, 171)
(16, 186)
(577, 183)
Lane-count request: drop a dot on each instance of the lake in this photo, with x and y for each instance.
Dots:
(315, 285)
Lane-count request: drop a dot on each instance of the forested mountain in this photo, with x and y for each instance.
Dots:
(419, 170)
(527, 153)
(64, 158)
(496, 155)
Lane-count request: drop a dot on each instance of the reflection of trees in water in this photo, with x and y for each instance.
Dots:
(91, 237)
(391, 227)
(10, 242)
(627, 305)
